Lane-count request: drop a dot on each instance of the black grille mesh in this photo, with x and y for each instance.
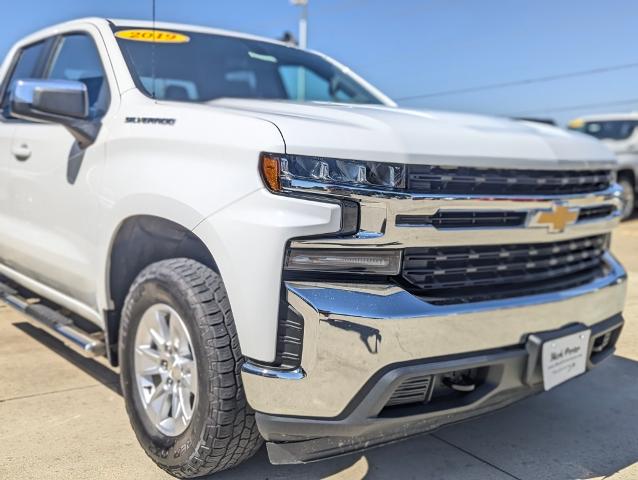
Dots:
(493, 181)
(447, 219)
(464, 219)
(459, 274)
(594, 213)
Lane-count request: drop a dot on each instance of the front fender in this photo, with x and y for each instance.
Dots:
(248, 241)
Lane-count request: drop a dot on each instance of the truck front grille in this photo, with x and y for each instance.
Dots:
(493, 181)
(465, 274)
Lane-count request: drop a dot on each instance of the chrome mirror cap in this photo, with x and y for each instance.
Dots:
(65, 102)
(50, 100)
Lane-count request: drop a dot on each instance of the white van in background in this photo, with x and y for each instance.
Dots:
(618, 131)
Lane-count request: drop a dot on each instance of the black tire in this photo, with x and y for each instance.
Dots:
(629, 196)
(222, 432)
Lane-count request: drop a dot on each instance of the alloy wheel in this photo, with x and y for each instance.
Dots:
(165, 369)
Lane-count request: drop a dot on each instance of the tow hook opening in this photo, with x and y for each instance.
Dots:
(454, 386)
(460, 381)
(603, 345)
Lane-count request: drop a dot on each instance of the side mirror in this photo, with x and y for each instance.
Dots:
(57, 101)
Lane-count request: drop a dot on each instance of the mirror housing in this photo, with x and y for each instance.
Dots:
(56, 101)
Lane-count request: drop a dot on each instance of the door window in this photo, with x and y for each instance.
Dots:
(27, 66)
(77, 58)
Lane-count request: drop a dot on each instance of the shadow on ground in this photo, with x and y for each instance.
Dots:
(587, 428)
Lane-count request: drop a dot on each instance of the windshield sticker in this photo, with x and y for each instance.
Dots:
(153, 36)
(577, 123)
(264, 58)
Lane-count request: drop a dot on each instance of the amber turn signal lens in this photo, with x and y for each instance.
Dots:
(270, 172)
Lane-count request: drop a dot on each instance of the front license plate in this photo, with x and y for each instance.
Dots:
(564, 358)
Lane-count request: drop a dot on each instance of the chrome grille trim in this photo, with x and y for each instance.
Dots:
(380, 213)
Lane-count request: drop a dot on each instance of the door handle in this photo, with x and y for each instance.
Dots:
(22, 153)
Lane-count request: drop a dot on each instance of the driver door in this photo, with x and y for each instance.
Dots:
(52, 195)
(26, 63)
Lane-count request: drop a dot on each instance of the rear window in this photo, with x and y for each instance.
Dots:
(199, 67)
(608, 129)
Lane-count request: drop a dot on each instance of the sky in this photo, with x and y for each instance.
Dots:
(414, 47)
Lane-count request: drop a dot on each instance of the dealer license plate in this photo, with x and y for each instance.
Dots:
(564, 358)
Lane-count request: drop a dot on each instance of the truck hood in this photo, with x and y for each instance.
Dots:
(391, 134)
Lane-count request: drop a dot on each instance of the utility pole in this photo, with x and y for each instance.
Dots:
(303, 43)
(303, 22)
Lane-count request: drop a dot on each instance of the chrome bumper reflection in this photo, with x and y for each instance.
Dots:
(352, 332)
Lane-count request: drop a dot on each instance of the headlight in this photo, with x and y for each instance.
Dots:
(281, 171)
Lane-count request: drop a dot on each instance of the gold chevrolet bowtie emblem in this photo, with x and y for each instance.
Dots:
(557, 219)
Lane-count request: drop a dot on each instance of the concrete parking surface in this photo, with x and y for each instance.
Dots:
(61, 417)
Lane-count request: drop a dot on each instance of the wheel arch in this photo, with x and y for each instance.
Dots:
(139, 241)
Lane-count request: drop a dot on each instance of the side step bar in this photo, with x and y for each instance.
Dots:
(54, 323)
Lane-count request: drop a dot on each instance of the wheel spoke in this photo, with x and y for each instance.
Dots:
(178, 336)
(189, 380)
(159, 404)
(147, 361)
(160, 330)
(176, 404)
(159, 391)
(185, 400)
(159, 340)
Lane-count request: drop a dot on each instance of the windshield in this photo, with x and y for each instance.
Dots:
(609, 129)
(198, 67)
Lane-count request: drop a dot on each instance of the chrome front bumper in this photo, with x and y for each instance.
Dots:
(354, 331)
(509, 375)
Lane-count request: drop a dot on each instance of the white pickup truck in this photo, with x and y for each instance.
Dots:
(268, 247)
(618, 131)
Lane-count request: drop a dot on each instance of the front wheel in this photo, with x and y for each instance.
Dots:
(180, 371)
(628, 197)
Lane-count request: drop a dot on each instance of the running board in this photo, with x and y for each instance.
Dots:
(54, 323)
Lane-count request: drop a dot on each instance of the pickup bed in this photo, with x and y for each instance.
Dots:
(267, 247)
